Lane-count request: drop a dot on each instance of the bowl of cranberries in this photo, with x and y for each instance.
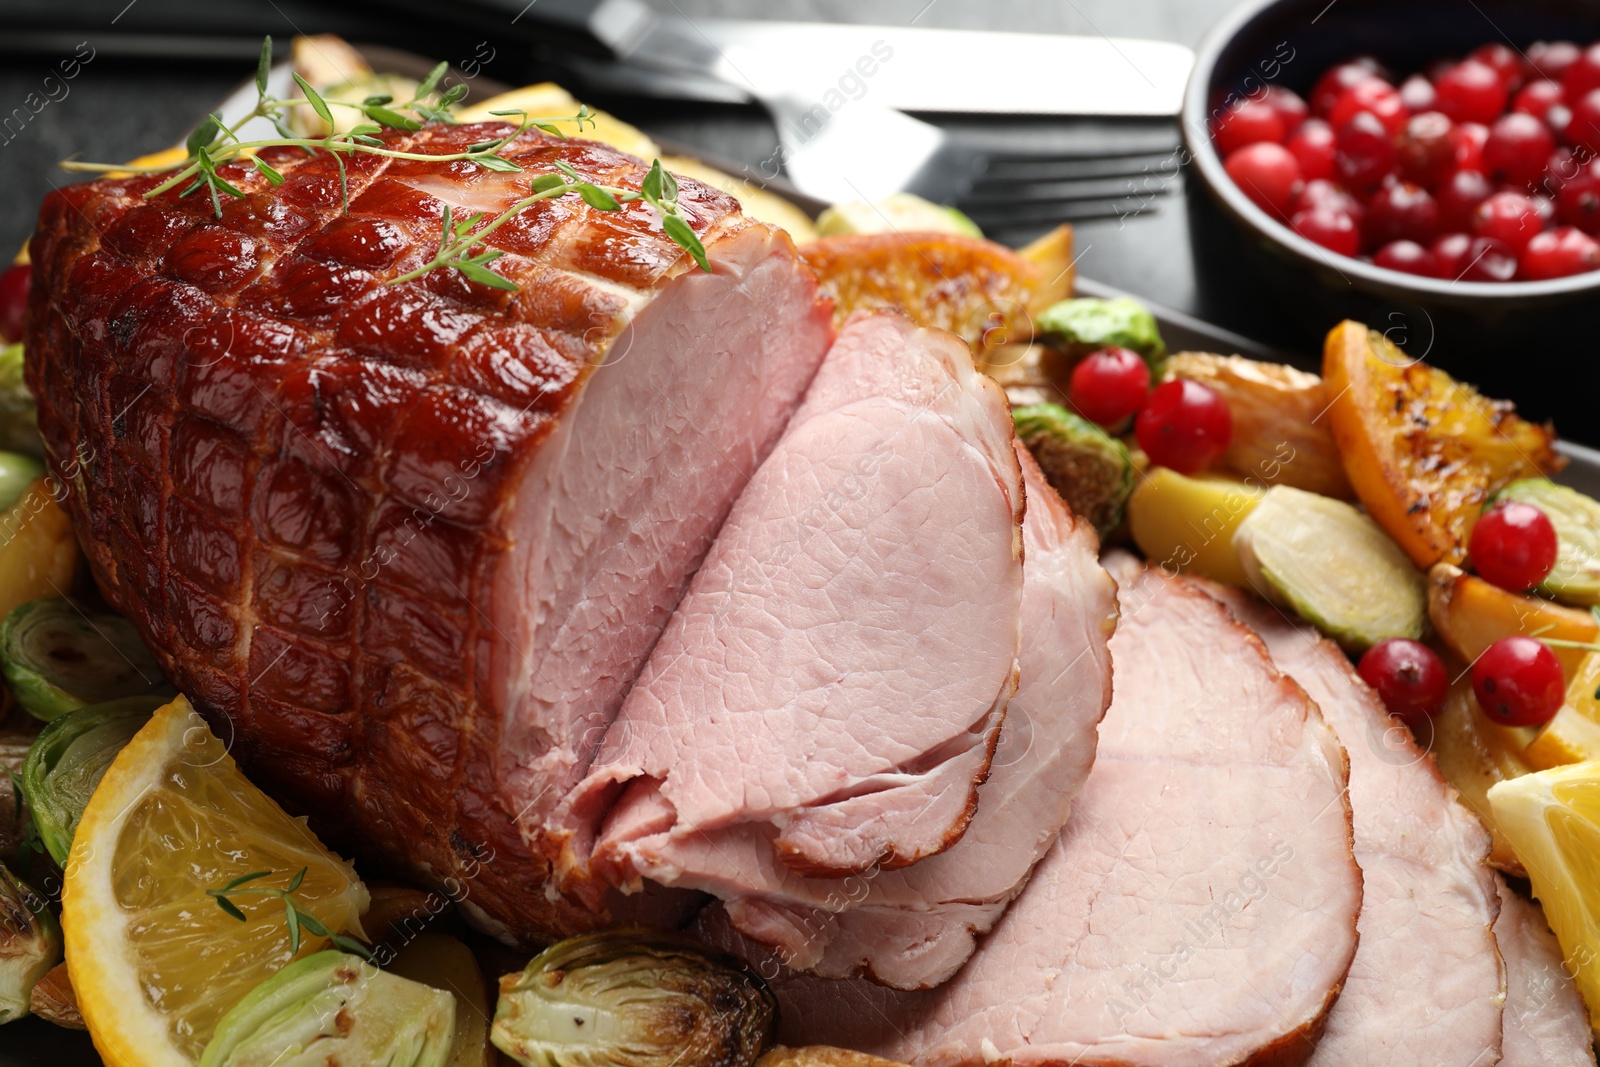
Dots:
(1408, 152)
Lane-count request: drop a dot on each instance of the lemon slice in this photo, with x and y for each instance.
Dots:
(1552, 819)
(153, 959)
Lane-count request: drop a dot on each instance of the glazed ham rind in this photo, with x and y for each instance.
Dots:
(913, 928)
(408, 545)
(1426, 985)
(1200, 907)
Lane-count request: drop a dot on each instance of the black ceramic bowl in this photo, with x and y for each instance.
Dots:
(1495, 333)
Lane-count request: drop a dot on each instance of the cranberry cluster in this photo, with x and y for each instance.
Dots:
(1482, 169)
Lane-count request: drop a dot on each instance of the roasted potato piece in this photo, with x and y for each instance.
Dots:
(1423, 451)
(444, 962)
(38, 552)
(983, 292)
(1187, 523)
(1469, 615)
(1052, 254)
(1280, 435)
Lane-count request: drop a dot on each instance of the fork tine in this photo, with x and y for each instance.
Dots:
(1132, 166)
(1065, 193)
(1032, 215)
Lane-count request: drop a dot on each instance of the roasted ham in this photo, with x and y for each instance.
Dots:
(1546, 1023)
(409, 545)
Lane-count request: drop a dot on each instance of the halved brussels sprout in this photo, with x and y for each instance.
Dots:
(895, 213)
(19, 418)
(333, 1009)
(1575, 579)
(68, 759)
(1089, 468)
(57, 657)
(633, 998)
(1086, 323)
(1334, 566)
(30, 944)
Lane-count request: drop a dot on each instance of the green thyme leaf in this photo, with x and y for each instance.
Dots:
(267, 170)
(314, 98)
(651, 186)
(228, 906)
(499, 163)
(264, 65)
(392, 119)
(485, 276)
(431, 82)
(685, 238)
(597, 197)
(204, 134)
(546, 182)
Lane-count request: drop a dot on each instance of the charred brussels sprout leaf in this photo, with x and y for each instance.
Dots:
(1087, 323)
(58, 657)
(30, 944)
(633, 998)
(1089, 468)
(68, 759)
(335, 1010)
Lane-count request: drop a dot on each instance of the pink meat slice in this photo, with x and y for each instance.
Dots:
(913, 928)
(836, 676)
(1200, 907)
(1426, 985)
(1546, 1023)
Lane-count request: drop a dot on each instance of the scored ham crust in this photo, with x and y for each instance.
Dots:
(407, 545)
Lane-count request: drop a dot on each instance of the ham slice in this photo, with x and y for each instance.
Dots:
(1546, 1023)
(1426, 985)
(830, 691)
(1200, 907)
(409, 545)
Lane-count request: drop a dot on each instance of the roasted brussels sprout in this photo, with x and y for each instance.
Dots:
(896, 213)
(19, 419)
(333, 1009)
(68, 759)
(1086, 323)
(58, 657)
(633, 998)
(1334, 566)
(1089, 468)
(30, 944)
(1575, 579)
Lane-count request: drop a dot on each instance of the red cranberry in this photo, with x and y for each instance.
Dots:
(1460, 196)
(1184, 425)
(1513, 545)
(1518, 147)
(1559, 119)
(1578, 200)
(1561, 167)
(1407, 256)
(1551, 59)
(1450, 254)
(1558, 253)
(1584, 128)
(1288, 104)
(1409, 678)
(1488, 260)
(1537, 97)
(1312, 146)
(1378, 97)
(1247, 124)
(1546, 207)
(1518, 681)
(1267, 174)
(1109, 385)
(1510, 218)
(1401, 212)
(1427, 151)
(1365, 151)
(1502, 60)
(1332, 229)
(1471, 91)
(1584, 73)
(1323, 193)
(1469, 139)
(1417, 94)
(1334, 81)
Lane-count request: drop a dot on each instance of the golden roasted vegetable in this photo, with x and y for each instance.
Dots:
(1422, 450)
(54, 1001)
(38, 553)
(1089, 468)
(1280, 435)
(1469, 615)
(1574, 734)
(444, 962)
(983, 292)
(1187, 523)
(1029, 373)
(1475, 754)
(1052, 254)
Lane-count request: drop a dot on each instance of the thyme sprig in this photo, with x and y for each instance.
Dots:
(294, 915)
(214, 143)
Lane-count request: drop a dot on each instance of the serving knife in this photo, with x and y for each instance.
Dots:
(626, 44)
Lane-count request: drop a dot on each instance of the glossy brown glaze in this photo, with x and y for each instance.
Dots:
(295, 478)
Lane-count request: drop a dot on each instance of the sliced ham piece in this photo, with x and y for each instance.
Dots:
(409, 545)
(1546, 1023)
(1426, 985)
(829, 693)
(913, 928)
(1199, 909)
